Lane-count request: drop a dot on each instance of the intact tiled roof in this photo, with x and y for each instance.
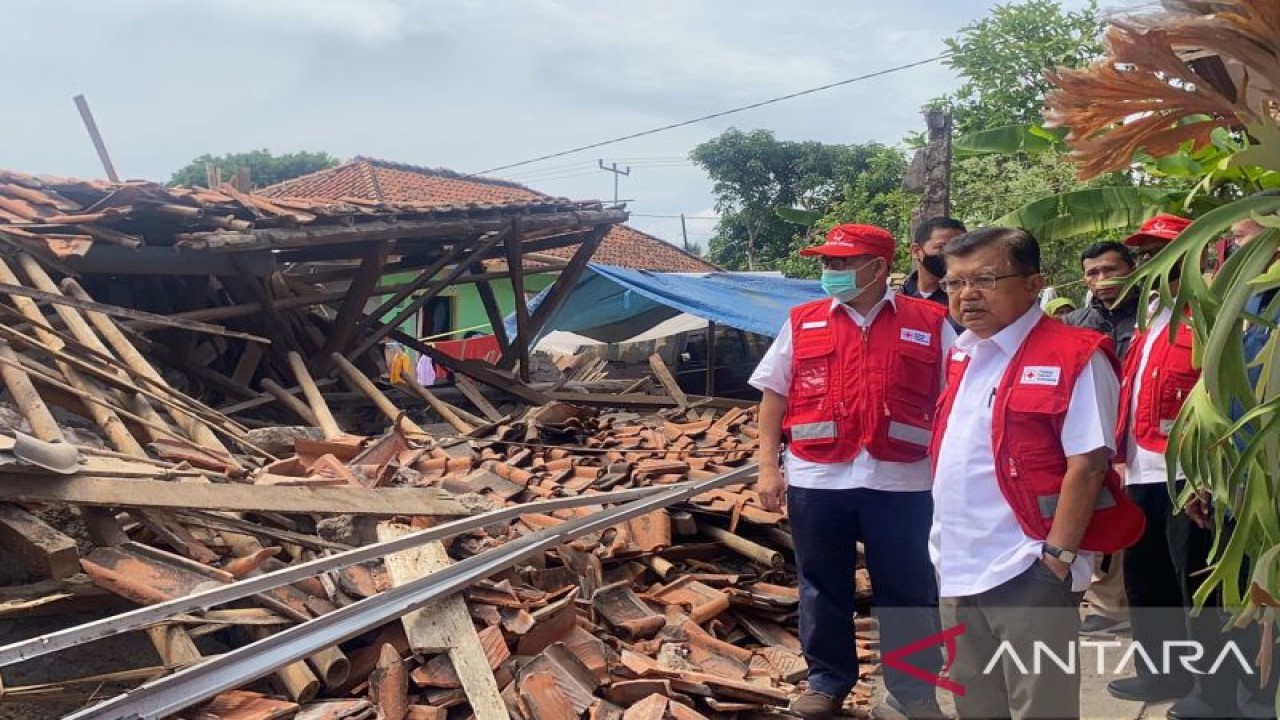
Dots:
(372, 179)
(627, 247)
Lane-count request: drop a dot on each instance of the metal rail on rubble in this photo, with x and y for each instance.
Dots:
(151, 614)
(194, 684)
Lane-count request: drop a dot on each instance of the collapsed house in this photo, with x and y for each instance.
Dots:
(201, 445)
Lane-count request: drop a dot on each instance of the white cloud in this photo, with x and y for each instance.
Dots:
(368, 20)
(465, 84)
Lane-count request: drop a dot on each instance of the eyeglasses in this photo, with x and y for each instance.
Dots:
(977, 282)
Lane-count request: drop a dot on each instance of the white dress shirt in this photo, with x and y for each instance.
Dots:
(863, 471)
(1144, 467)
(976, 542)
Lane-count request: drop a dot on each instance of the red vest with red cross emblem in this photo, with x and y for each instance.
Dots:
(1029, 411)
(1167, 379)
(872, 388)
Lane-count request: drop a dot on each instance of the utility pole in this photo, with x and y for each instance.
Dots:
(684, 231)
(613, 168)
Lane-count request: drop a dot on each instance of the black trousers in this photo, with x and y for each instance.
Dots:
(1161, 580)
(894, 529)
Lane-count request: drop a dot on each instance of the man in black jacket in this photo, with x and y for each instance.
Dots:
(1103, 264)
(926, 253)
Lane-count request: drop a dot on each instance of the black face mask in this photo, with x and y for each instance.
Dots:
(935, 264)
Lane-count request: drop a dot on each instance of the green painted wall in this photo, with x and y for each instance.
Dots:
(468, 310)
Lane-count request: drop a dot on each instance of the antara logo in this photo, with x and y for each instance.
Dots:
(946, 638)
(1188, 655)
(1176, 654)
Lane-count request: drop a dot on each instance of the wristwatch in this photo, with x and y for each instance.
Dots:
(1066, 556)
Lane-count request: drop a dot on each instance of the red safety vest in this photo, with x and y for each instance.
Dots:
(1166, 381)
(1030, 408)
(854, 388)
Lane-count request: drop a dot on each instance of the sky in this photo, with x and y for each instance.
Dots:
(465, 84)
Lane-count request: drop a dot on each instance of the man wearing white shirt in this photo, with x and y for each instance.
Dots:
(852, 382)
(1023, 487)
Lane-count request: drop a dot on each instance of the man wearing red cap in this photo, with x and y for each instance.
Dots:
(851, 383)
(1161, 570)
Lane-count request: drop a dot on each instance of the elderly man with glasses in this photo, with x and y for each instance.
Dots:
(851, 382)
(1023, 490)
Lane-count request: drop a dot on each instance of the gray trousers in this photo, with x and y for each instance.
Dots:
(1002, 657)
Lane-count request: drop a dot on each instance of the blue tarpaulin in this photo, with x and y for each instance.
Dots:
(612, 304)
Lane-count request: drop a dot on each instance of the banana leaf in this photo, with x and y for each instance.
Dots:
(1008, 140)
(1094, 211)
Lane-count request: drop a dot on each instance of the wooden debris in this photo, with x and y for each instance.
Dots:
(446, 625)
(112, 492)
(46, 553)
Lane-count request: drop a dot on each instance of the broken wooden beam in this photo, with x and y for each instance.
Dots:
(111, 492)
(46, 553)
(668, 381)
(324, 417)
(445, 624)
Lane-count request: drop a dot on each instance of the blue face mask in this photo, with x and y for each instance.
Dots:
(842, 284)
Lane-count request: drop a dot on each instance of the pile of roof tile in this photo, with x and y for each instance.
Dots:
(687, 612)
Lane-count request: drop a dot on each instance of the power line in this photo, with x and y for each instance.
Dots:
(712, 116)
(645, 162)
(676, 217)
(585, 169)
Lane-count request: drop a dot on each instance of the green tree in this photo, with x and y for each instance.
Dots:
(264, 168)
(753, 173)
(1003, 159)
(1002, 59)
(875, 197)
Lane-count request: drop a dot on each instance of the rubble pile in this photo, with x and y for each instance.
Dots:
(120, 492)
(689, 611)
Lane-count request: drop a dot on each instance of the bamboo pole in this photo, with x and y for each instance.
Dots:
(332, 665)
(451, 414)
(298, 407)
(744, 547)
(111, 370)
(366, 387)
(324, 418)
(124, 349)
(29, 402)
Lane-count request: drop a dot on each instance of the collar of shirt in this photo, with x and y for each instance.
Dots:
(911, 286)
(1008, 339)
(889, 297)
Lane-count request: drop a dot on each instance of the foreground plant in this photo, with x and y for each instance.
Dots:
(1144, 98)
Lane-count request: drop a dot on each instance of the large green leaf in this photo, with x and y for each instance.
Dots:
(1094, 211)
(1264, 152)
(1008, 140)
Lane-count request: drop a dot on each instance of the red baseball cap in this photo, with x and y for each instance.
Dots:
(1162, 229)
(850, 240)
